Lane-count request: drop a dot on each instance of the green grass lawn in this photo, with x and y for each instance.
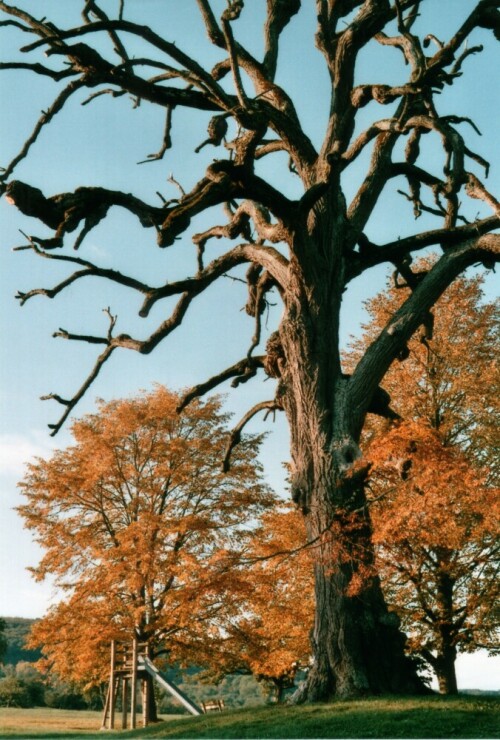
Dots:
(430, 717)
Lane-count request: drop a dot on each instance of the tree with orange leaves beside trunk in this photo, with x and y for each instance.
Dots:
(270, 636)
(433, 478)
(435, 521)
(141, 530)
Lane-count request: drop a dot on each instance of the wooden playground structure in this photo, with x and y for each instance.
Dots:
(130, 668)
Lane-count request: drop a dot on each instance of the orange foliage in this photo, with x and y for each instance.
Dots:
(434, 478)
(451, 381)
(435, 519)
(270, 637)
(142, 529)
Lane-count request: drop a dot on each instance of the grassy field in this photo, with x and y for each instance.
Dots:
(33, 722)
(433, 717)
(47, 723)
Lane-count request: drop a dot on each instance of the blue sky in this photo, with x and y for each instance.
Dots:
(101, 144)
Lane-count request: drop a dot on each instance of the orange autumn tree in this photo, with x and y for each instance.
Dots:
(435, 523)
(270, 638)
(433, 515)
(139, 523)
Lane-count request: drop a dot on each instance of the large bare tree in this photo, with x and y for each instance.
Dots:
(307, 249)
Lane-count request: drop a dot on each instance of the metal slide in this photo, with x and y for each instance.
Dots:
(172, 689)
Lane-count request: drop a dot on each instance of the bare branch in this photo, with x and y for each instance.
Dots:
(93, 63)
(272, 100)
(371, 19)
(268, 147)
(393, 251)
(385, 125)
(365, 199)
(44, 30)
(484, 14)
(383, 94)
(409, 46)
(431, 37)
(172, 180)
(465, 54)
(167, 141)
(15, 24)
(214, 33)
(381, 169)
(279, 14)
(230, 14)
(235, 437)
(217, 129)
(475, 189)
(71, 403)
(89, 270)
(107, 91)
(267, 257)
(259, 283)
(39, 69)
(414, 311)
(65, 211)
(241, 371)
(223, 182)
(44, 119)
(92, 7)
(189, 288)
(275, 233)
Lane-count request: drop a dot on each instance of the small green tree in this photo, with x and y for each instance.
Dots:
(14, 693)
(21, 686)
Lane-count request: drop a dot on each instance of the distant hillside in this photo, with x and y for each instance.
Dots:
(16, 632)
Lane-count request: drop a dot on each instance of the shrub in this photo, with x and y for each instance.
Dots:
(14, 692)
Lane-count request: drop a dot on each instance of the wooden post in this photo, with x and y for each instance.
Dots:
(145, 702)
(145, 692)
(133, 685)
(124, 702)
(112, 693)
(106, 708)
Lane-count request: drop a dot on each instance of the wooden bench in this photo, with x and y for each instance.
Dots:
(214, 705)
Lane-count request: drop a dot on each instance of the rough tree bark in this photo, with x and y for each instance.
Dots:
(324, 245)
(357, 645)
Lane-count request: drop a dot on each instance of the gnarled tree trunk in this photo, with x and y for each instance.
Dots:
(358, 648)
(357, 645)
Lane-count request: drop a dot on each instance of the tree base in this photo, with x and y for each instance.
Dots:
(320, 688)
(366, 658)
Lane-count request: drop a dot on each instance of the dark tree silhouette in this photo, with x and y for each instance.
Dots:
(307, 249)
